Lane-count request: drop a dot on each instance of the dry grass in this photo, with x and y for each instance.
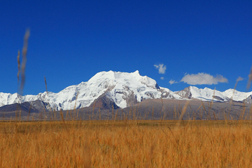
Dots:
(126, 144)
(249, 79)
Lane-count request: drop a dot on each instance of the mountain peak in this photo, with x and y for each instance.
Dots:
(136, 72)
(122, 89)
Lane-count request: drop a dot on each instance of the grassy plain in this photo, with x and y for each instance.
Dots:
(124, 143)
(127, 143)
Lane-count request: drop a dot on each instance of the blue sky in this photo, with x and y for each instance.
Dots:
(204, 43)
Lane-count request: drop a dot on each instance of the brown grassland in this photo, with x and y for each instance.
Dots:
(124, 143)
(135, 143)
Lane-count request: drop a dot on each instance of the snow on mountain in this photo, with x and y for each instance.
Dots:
(122, 88)
(236, 95)
(7, 98)
(207, 94)
(125, 88)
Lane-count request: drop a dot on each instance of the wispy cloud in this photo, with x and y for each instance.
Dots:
(162, 78)
(203, 79)
(161, 68)
(172, 82)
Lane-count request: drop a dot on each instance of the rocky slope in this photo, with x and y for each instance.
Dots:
(118, 90)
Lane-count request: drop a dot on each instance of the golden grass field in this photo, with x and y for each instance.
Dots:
(126, 143)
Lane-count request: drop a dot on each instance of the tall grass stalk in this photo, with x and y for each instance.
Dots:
(101, 144)
(125, 142)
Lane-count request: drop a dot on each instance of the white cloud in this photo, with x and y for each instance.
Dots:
(162, 78)
(239, 79)
(172, 82)
(161, 68)
(203, 79)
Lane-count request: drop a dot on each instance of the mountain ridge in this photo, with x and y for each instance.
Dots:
(120, 89)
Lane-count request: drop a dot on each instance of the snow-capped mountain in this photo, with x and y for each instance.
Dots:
(207, 94)
(119, 89)
(124, 89)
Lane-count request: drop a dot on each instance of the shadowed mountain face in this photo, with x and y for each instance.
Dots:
(198, 110)
(164, 109)
(249, 99)
(15, 110)
(122, 90)
(33, 107)
(24, 107)
(104, 103)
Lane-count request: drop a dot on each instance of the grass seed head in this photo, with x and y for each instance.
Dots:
(24, 59)
(18, 61)
(249, 79)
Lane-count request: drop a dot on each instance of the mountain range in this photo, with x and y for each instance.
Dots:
(109, 89)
